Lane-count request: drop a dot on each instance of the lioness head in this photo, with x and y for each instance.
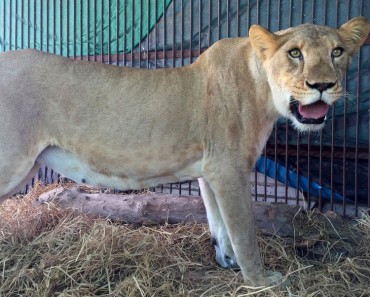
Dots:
(305, 66)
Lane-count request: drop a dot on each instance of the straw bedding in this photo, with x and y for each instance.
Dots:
(47, 251)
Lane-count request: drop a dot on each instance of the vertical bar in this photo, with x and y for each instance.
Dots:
(102, 31)
(3, 21)
(268, 14)
(164, 33)
(265, 175)
(117, 33)
(309, 169)
(10, 24)
(15, 24)
(332, 160)
(47, 33)
(265, 149)
(298, 168)
(218, 19)
(357, 131)
(87, 30)
(237, 18)
(287, 124)
(357, 123)
(333, 135)
(313, 11)
(200, 28)
(255, 168)
(140, 28)
(41, 26)
(275, 125)
(191, 31)
(368, 165)
(28, 24)
(46, 180)
(182, 37)
(227, 19)
(275, 163)
(147, 35)
(321, 145)
(320, 172)
(132, 33)
(124, 41)
(22, 29)
(61, 28)
(173, 33)
(94, 22)
(74, 30)
(345, 138)
(248, 13)
(81, 30)
(34, 24)
(109, 35)
(67, 28)
(321, 136)
(344, 152)
(209, 22)
(309, 143)
(155, 31)
(54, 25)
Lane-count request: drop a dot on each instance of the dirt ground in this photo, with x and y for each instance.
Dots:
(48, 251)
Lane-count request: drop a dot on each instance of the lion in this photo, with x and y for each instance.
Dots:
(126, 128)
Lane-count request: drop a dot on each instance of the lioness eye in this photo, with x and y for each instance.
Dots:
(338, 51)
(295, 53)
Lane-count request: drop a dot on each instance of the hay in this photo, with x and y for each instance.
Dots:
(46, 251)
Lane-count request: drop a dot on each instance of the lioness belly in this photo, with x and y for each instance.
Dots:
(72, 167)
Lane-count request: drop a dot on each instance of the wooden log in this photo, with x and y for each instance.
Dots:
(157, 208)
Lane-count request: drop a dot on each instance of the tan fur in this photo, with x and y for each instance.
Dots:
(133, 128)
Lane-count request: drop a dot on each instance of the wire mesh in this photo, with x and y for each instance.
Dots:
(164, 33)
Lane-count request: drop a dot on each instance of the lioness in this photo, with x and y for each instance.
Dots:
(127, 128)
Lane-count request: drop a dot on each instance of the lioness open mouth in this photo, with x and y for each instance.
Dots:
(314, 113)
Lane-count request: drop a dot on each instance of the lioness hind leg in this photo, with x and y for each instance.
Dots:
(219, 237)
(14, 179)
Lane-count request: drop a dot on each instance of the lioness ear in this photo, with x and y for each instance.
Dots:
(263, 41)
(353, 33)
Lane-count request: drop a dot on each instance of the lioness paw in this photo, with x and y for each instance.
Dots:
(270, 278)
(224, 254)
(274, 278)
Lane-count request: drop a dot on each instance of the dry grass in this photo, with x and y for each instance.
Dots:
(46, 251)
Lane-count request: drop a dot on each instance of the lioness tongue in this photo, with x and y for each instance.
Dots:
(315, 110)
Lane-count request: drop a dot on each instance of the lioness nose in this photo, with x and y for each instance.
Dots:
(321, 87)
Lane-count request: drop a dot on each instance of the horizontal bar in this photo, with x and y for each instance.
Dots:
(362, 153)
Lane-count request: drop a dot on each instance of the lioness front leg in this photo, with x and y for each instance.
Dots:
(230, 184)
(219, 236)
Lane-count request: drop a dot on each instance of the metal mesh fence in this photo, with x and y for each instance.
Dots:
(329, 169)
